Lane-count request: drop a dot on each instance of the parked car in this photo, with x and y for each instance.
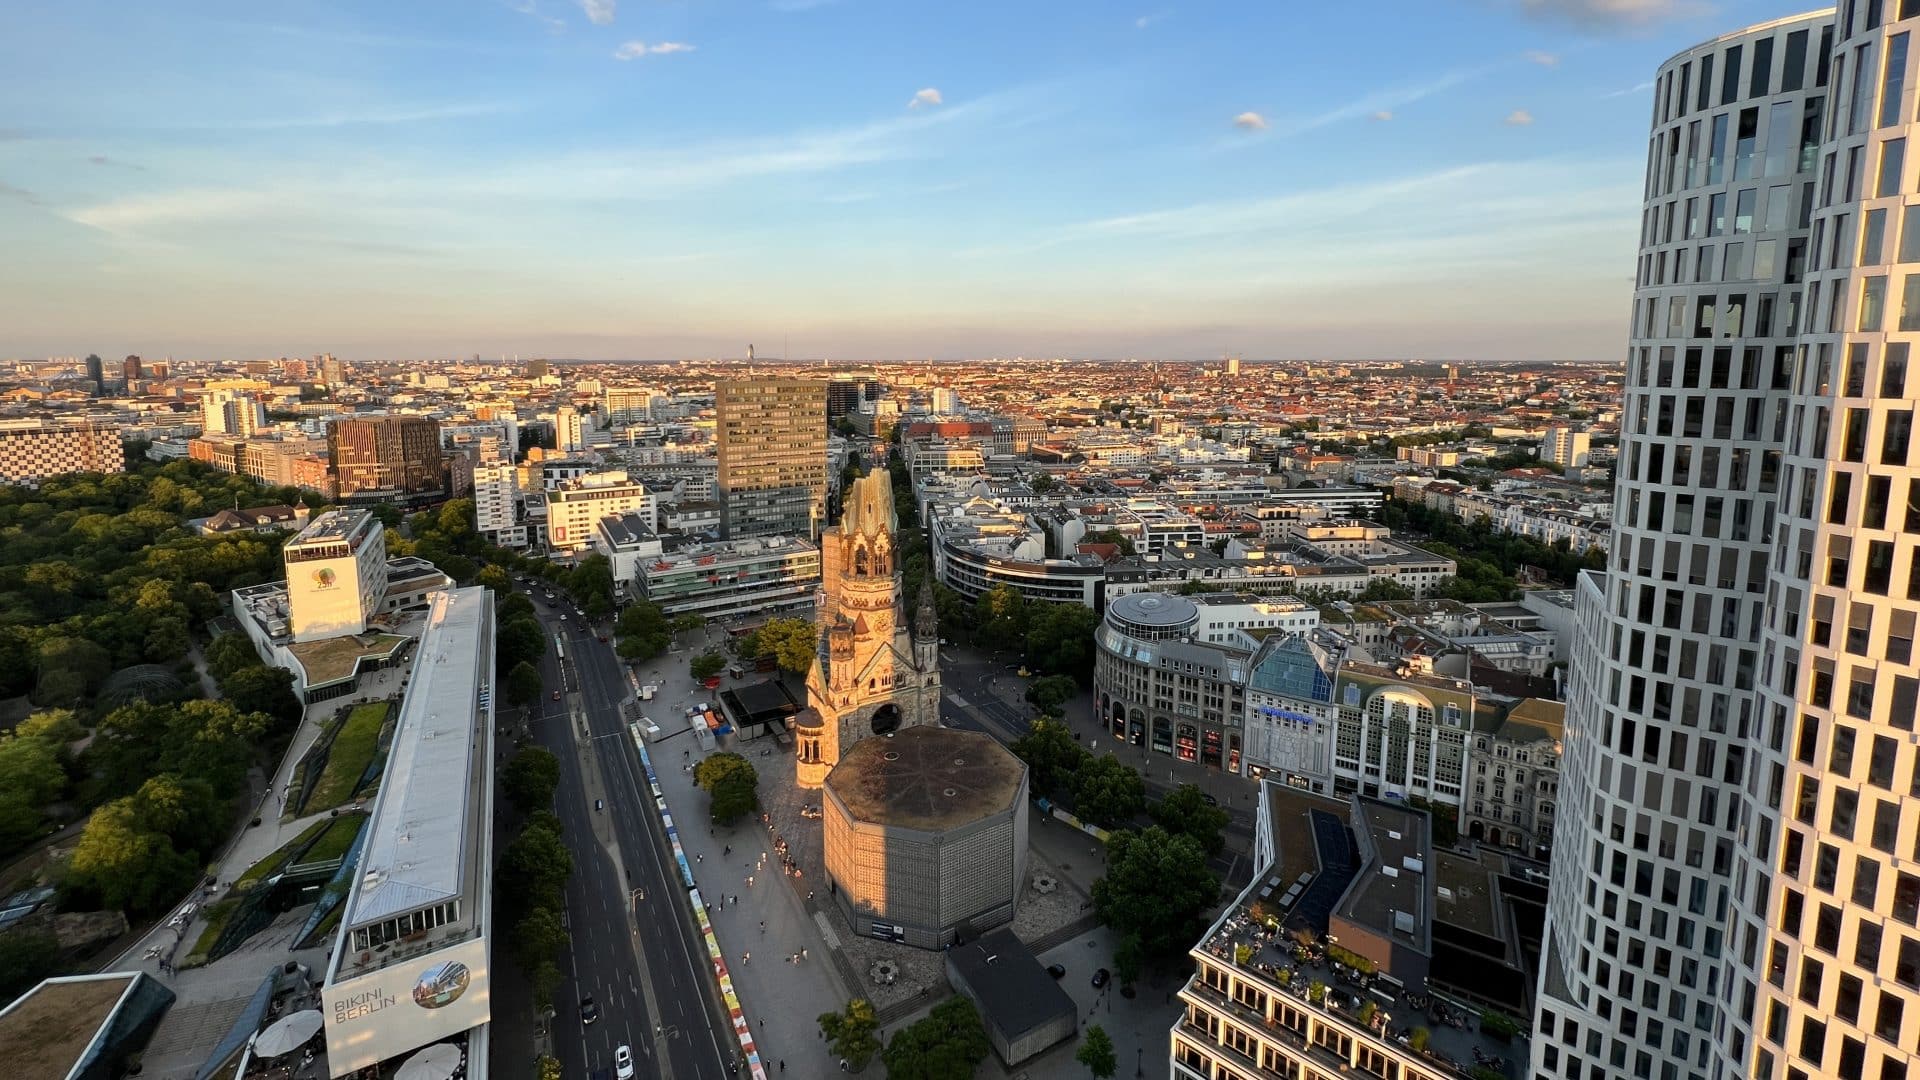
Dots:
(1058, 971)
(589, 1012)
(1101, 977)
(1208, 799)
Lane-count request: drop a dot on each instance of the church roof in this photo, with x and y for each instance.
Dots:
(869, 506)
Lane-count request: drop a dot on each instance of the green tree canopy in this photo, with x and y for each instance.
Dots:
(262, 689)
(518, 641)
(1052, 755)
(524, 684)
(536, 866)
(1110, 536)
(643, 631)
(30, 778)
(790, 641)
(1049, 692)
(707, 665)
(514, 605)
(1108, 792)
(125, 866)
(1096, 1052)
(1155, 895)
(537, 936)
(530, 779)
(733, 784)
(494, 578)
(1060, 640)
(1185, 813)
(945, 1045)
(229, 653)
(1000, 615)
(590, 583)
(851, 1033)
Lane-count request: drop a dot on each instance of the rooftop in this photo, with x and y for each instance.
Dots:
(45, 1031)
(1393, 896)
(428, 824)
(331, 659)
(332, 526)
(1014, 992)
(1154, 609)
(928, 778)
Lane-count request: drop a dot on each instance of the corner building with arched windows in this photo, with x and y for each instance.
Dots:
(1734, 891)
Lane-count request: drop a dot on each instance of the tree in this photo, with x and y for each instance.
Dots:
(945, 1045)
(126, 867)
(187, 812)
(1049, 692)
(538, 936)
(1001, 615)
(1041, 483)
(1110, 536)
(519, 641)
(732, 783)
(1051, 753)
(494, 578)
(524, 684)
(537, 866)
(1108, 792)
(514, 605)
(1155, 893)
(30, 778)
(1384, 588)
(262, 689)
(530, 778)
(549, 1066)
(791, 641)
(1184, 812)
(70, 670)
(707, 665)
(1096, 1052)
(850, 1034)
(590, 583)
(229, 653)
(643, 631)
(1060, 640)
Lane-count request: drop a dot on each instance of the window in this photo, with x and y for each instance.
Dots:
(1893, 445)
(1893, 154)
(1873, 302)
(1873, 231)
(1894, 84)
(1893, 370)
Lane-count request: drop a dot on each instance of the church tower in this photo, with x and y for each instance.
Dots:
(872, 673)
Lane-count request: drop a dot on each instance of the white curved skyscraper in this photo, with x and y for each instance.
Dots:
(1736, 886)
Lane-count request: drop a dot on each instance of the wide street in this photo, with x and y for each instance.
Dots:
(633, 945)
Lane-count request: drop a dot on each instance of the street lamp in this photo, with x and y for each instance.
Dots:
(1137, 1071)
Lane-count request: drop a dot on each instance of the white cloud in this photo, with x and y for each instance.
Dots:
(1382, 116)
(1636, 88)
(1518, 118)
(1145, 21)
(599, 12)
(1250, 121)
(928, 97)
(634, 50)
(1541, 57)
(1614, 14)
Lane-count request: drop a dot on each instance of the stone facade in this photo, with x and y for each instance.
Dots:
(872, 674)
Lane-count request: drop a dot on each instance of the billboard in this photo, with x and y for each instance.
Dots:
(403, 1007)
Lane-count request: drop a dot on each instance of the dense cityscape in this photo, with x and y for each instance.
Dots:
(393, 717)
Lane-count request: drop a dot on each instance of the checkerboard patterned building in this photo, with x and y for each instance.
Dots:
(32, 450)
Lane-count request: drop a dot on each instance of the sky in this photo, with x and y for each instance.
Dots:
(857, 180)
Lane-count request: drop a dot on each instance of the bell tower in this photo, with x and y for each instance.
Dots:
(872, 674)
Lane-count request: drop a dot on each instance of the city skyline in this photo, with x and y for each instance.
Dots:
(663, 181)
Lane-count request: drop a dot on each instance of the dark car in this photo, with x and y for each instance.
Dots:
(589, 1012)
(1056, 970)
(1208, 799)
(1101, 977)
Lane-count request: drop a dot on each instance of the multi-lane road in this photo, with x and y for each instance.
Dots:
(633, 945)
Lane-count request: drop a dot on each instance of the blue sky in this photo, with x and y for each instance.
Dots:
(656, 179)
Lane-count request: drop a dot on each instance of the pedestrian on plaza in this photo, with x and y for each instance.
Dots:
(783, 1064)
(746, 958)
(728, 850)
(763, 926)
(803, 954)
(699, 858)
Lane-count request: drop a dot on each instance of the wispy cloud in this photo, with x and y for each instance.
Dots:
(377, 116)
(1544, 59)
(926, 98)
(1371, 106)
(106, 162)
(1636, 88)
(1382, 116)
(1250, 121)
(598, 12)
(531, 9)
(1614, 15)
(1145, 21)
(634, 50)
(1518, 118)
(19, 194)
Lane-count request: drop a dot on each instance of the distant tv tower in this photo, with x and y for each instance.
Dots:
(749, 352)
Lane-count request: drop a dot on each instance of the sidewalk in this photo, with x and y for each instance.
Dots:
(780, 999)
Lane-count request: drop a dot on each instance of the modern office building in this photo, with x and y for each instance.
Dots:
(336, 574)
(569, 430)
(231, 412)
(96, 372)
(574, 508)
(772, 440)
(725, 578)
(625, 405)
(1565, 446)
(132, 370)
(410, 966)
(386, 458)
(33, 450)
(333, 372)
(1729, 896)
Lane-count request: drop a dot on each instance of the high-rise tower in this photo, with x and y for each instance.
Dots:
(772, 440)
(1731, 893)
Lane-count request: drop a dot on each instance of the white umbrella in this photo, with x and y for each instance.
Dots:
(288, 1033)
(436, 1062)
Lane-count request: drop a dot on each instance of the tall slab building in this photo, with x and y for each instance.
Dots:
(772, 442)
(1734, 890)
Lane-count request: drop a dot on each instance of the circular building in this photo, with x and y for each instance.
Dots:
(925, 833)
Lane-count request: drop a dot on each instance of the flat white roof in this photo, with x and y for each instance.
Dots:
(420, 837)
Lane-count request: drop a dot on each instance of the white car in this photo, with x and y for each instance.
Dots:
(623, 1064)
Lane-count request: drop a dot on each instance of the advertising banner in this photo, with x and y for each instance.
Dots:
(376, 1017)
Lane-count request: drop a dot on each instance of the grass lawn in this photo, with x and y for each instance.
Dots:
(217, 914)
(334, 843)
(348, 757)
(270, 865)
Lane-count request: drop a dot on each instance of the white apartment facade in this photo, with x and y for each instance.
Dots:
(496, 504)
(575, 508)
(336, 574)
